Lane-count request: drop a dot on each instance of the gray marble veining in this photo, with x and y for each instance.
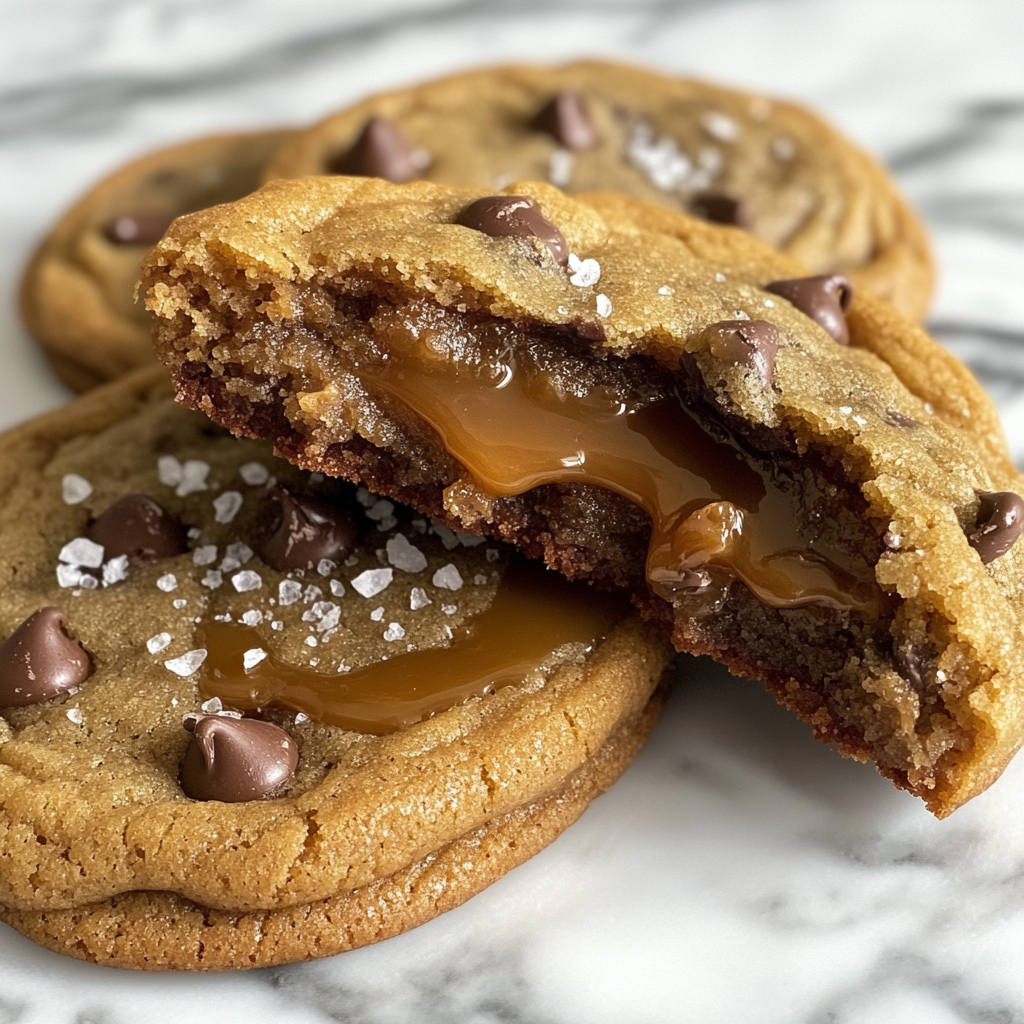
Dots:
(739, 872)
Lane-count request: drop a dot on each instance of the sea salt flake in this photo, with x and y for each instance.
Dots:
(373, 581)
(418, 599)
(180, 602)
(311, 641)
(405, 556)
(288, 592)
(846, 409)
(719, 277)
(239, 552)
(394, 631)
(720, 126)
(68, 575)
(226, 506)
(213, 579)
(492, 554)
(311, 593)
(115, 570)
(419, 525)
(254, 473)
(300, 717)
(560, 167)
(666, 290)
(337, 588)
(316, 478)
(710, 160)
(448, 578)
(188, 663)
(229, 564)
(169, 470)
(365, 498)
(88, 582)
(213, 706)
(604, 305)
(167, 582)
(75, 714)
(205, 555)
(585, 272)
(252, 657)
(660, 159)
(769, 303)
(377, 615)
(253, 617)
(449, 609)
(74, 488)
(246, 580)
(158, 642)
(351, 560)
(479, 580)
(193, 477)
(860, 421)
(194, 533)
(82, 551)
(379, 509)
(325, 566)
(226, 617)
(277, 624)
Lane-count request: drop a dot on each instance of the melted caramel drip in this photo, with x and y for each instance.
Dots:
(710, 505)
(534, 612)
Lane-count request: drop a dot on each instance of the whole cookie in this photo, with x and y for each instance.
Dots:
(243, 759)
(733, 157)
(78, 293)
(676, 414)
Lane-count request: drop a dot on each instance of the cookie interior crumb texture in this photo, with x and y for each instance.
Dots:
(681, 143)
(279, 314)
(97, 833)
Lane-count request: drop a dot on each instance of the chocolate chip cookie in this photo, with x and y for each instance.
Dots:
(761, 164)
(250, 715)
(78, 293)
(675, 414)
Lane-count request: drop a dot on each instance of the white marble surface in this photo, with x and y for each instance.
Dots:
(739, 872)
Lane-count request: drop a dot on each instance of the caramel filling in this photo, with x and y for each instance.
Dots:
(534, 613)
(716, 513)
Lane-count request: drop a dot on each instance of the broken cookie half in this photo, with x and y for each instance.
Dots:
(797, 481)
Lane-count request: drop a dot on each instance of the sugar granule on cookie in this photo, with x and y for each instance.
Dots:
(790, 476)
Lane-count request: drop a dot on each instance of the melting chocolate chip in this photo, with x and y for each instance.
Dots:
(824, 298)
(137, 228)
(565, 118)
(138, 527)
(719, 208)
(1000, 523)
(752, 343)
(514, 217)
(235, 759)
(310, 530)
(38, 661)
(381, 151)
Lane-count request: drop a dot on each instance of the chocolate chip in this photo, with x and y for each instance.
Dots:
(565, 118)
(138, 527)
(1000, 522)
(752, 343)
(309, 530)
(381, 151)
(589, 331)
(38, 661)
(137, 228)
(235, 759)
(824, 298)
(514, 217)
(720, 208)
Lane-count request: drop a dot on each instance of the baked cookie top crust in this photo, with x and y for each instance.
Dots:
(727, 155)
(102, 789)
(325, 313)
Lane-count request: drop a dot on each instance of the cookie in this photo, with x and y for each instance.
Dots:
(733, 157)
(252, 715)
(671, 414)
(78, 293)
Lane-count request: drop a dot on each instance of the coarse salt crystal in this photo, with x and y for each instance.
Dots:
(351, 560)
(448, 578)
(560, 167)
(252, 657)
(720, 126)
(479, 580)
(380, 509)
(377, 615)
(158, 642)
(180, 602)
(213, 579)
(246, 580)
(169, 470)
(167, 582)
(205, 555)
(253, 617)
(301, 717)
(719, 277)
(82, 551)
(254, 473)
(277, 624)
(585, 272)
(193, 477)
(373, 581)
(418, 599)
(188, 663)
(666, 290)
(115, 570)
(288, 592)
(337, 588)
(311, 593)
(449, 609)
(604, 305)
(660, 159)
(75, 715)
(226, 506)
(405, 556)
(846, 409)
(365, 498)
(325, 566)
(74, 488)
(238, 552)
(88, 582)
(213, 706)
(311, 641)
(394, 631)
(68, 575)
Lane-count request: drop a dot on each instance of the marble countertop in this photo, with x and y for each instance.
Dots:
(739, 872)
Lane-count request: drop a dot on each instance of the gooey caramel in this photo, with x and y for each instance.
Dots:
(534, 612)
(715, 512)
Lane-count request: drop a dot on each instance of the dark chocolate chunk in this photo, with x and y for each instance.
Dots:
(138, 527)
(309, 530)
(565, 118)
(824, 298)
(137, 228)
(999, 525)
(589, 330)
(235, 759)
(38, 661)
(514, 217)
(719, 208)
(381, 151)
(752, 343)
